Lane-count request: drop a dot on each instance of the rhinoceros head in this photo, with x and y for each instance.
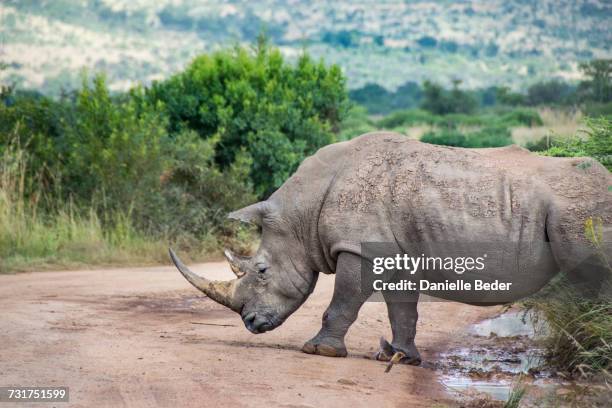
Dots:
(271, 284)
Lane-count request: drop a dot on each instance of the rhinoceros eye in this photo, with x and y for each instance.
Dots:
(262, 268)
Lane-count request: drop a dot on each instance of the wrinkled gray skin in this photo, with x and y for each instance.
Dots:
(387, 188)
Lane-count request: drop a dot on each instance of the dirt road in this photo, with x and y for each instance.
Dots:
(143, 337)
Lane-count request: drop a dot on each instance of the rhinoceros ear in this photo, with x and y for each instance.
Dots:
(252, 214)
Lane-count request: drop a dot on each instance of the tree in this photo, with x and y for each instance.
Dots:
(598, 85)
(253, 100)
(461, 101)
(505, 96)
(378, 100)
(434, 100)
(373, 96)
(549, 92)
(441, 102)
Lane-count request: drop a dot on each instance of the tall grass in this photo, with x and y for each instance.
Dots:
(579, 335)
(579, 339)
(31, 238)
(556, 123)
(517, 393)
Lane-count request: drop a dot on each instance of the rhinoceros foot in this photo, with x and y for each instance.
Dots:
(410, 354)
(325, 348)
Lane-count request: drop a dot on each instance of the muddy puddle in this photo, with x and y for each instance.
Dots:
(502, 350)
(509, 324)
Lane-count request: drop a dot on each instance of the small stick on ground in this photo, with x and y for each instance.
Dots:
(214, 324)
(397, 357)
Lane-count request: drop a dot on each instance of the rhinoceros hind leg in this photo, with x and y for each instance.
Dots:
(403, 316)
(410, 354)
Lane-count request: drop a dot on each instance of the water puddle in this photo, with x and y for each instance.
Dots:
(485, 360)
(503, 349)
(499, 390)
(504, 357)
(490, 370)
(509, 324)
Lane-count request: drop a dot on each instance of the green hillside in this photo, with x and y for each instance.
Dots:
(498, 42)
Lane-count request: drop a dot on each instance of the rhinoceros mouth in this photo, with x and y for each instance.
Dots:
(258, 323)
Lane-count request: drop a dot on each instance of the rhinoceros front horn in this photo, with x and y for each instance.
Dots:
(220, 291)
(238, 263)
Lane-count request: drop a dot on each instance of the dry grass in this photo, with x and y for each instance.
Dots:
(579, 335)
(559, 123)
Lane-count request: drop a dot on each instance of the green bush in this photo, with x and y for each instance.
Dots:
(440, 101)
(595, 109)
(166, 162)
(409, 117)
(540, 145)
(355, 123)
(36, 123)
(453, 120)
(378, 100)
(522, 117)
(447, 137)
(107, 166)
(114, 150)
(194, 194)
(34, 238)
(486, 137)
(123, 161)
(279, 113)
(490, 137)
(596, 142)
(553, 92)
(510, 118)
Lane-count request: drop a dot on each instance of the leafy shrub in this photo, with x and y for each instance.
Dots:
(486, 137)
(453, 120)
(539, 145)
(36, 123)
(375, 98)
(278, 112)
(356, 123)
(505, 96)
(441, 102)
(510, 118)
(490, 137)
(596, 142)
(114, 151)
(34, 238)
(595, 109)
(378, 100)
(445, 137)
(522, 117)
(550, 92)
(169, 161)
(342, 38)
(107, 164)
(597, 87)
(194, 194)
(408, 117)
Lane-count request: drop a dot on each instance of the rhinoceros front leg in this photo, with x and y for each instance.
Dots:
(342, 311)
(403, 317)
